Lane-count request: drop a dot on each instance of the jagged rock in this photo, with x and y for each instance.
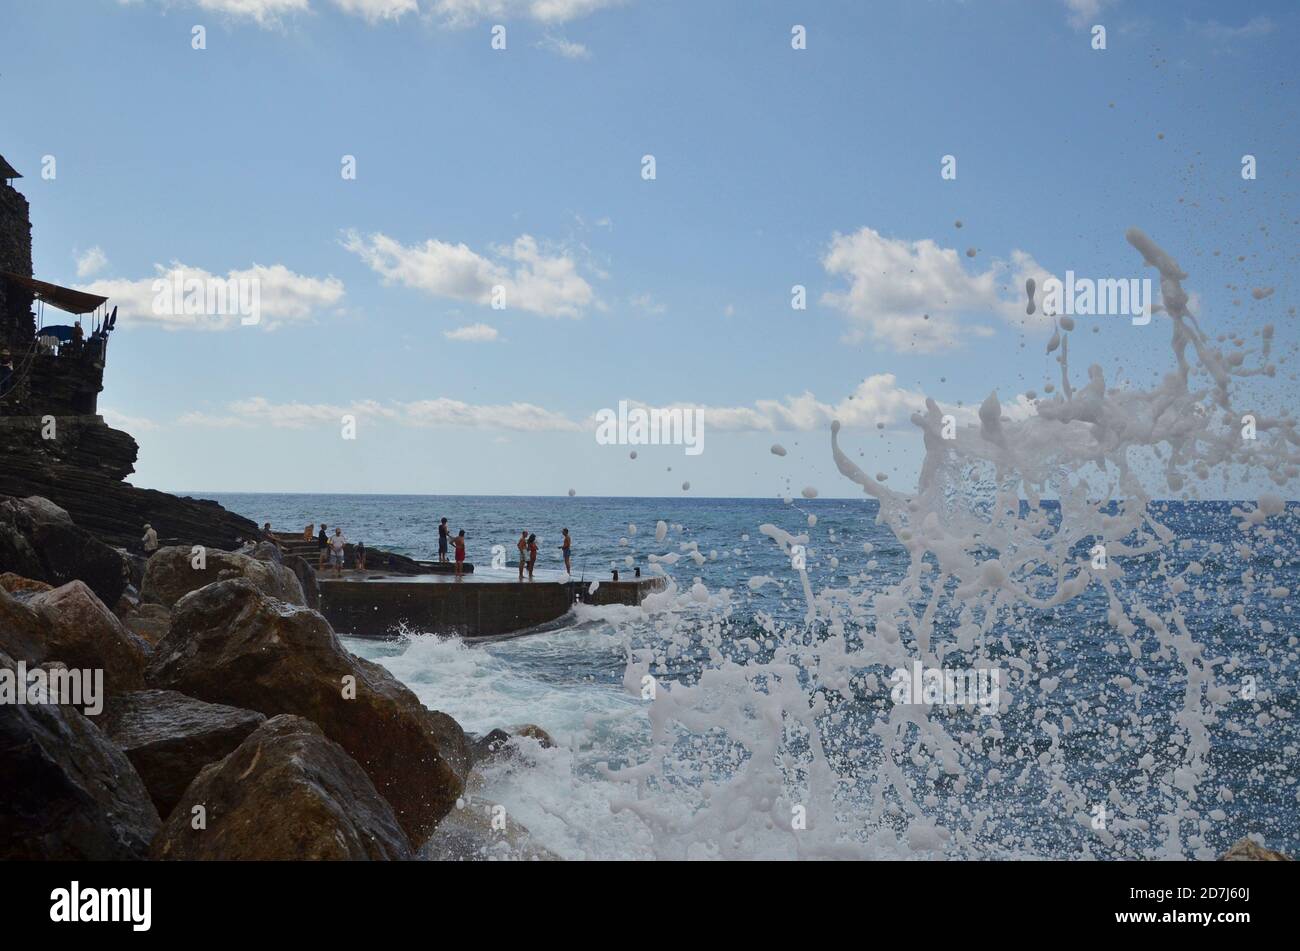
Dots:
(534, 732)
(83, 472)
(84, 633)
(135, 565)
(65, 791)
(38, 540)
(24, 634)
(1247, 849)
(483, 831)
(171, 575)
(306, 575)
(169, 737)
(287, 792)
(150, 622)
(486, 747)
(229, 643)
(22, 588)
(265, 551)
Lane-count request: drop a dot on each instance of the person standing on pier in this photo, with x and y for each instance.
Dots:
(523, 551)
(567, 549)
(532, 555)
(442, 540)
(337, 545)
(460, 551)
(323, 541)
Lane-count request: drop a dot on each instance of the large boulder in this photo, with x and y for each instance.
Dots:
(22, 588)
(169, 737)
(483, 831)
(149, 622)
(38, 540)
(287, 792)
(230, 643)
(1247, 849)
(170, 575)
(24, 634)
(306, 575)
(66, 792)
(83, 633)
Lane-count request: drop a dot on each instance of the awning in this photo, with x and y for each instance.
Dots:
(64, 298)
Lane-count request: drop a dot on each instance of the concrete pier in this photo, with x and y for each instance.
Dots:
(487, 603)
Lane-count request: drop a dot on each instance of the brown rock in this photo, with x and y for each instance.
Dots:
(534, 732)
(38, 540)
(170, 575)
(149, 622)
(483, 831)
(169, 737)
(24, 634)
(287, 792)
(229, 643)
(1246, 849)
(21, 587)
(86, 634)
(65, 791)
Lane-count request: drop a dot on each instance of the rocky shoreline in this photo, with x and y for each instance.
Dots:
(234, 724)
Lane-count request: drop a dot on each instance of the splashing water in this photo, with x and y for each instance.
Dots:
(789, 743)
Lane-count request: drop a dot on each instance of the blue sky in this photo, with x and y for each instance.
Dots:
(522, 168)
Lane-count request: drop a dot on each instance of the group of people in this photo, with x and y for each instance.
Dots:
(527, 546)
(333, 548)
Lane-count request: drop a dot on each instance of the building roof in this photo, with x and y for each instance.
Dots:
(7, 171)
(64, 298)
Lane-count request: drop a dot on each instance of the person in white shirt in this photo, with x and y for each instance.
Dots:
(337, 544)
(150, 540)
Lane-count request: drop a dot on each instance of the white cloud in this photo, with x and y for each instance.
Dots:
(283, 296)
(913, 295)
(130, 424)
(532, 280)
(92, 262)
(1218, 32)
(376, 10)
(646, 304)
(876, 401)
(563, 47)
(524, 417)
(473, 333)
(468, 12)
(263, 12)
(259, 411)
(1084, 13)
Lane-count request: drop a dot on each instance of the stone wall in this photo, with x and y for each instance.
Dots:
(17, 323)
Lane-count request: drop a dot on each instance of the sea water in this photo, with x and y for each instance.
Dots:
(1142, 642)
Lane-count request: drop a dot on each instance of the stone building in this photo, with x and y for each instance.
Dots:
(50, 368)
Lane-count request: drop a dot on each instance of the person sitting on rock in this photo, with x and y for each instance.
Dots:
(269, 536)
(359, 555)
(150, 540)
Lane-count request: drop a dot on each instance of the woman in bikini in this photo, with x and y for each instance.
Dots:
(532, 555)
